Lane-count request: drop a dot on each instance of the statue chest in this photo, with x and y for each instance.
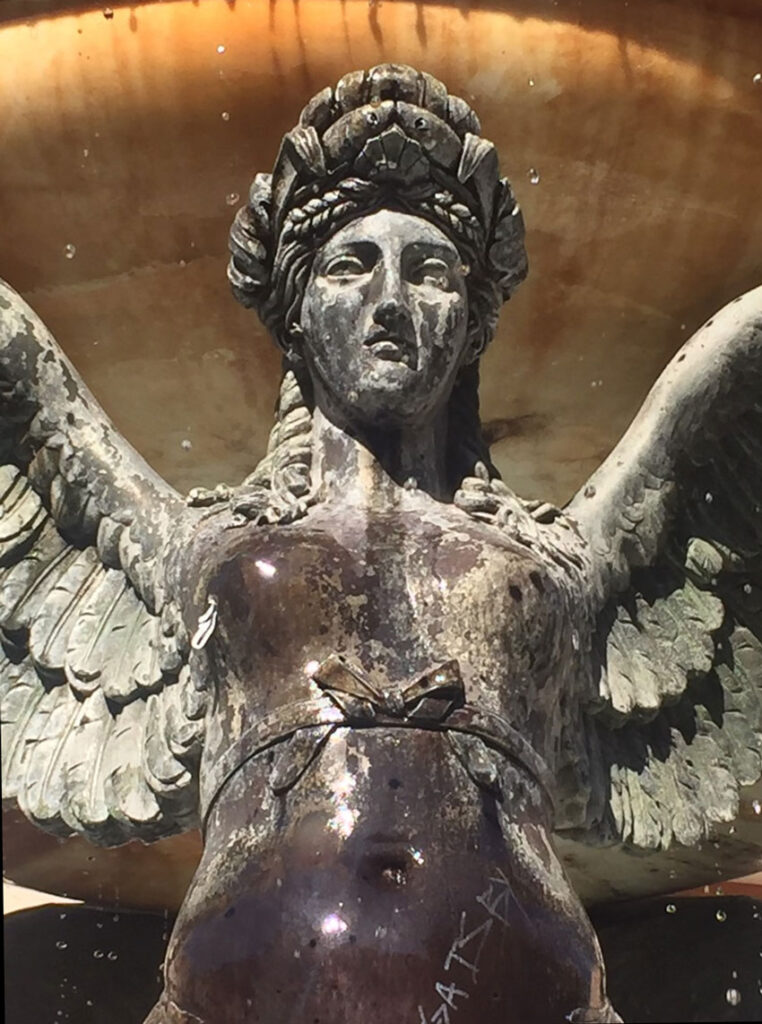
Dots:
(394, 595)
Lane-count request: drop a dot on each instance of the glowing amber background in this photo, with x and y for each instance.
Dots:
(632, 133)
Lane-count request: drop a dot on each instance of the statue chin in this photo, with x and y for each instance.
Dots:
(393, 398)
(385, 903)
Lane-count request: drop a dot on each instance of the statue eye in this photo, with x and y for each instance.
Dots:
(346, 266)
(433, 272)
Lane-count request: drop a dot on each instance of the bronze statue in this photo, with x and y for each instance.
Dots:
(376, 677)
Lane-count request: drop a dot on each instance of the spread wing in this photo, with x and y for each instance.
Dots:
(673, 520)
(101, 728)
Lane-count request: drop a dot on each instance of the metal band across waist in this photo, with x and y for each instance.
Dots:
(435, 701)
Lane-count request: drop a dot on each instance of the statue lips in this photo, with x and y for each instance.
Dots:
(392, 348)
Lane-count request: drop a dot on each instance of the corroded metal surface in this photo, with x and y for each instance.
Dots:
(377, 678)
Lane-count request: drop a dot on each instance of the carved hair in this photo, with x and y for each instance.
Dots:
(389, 138)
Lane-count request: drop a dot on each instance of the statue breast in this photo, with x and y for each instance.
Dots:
(396, 594)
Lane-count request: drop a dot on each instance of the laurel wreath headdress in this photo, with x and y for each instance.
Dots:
(391, 137)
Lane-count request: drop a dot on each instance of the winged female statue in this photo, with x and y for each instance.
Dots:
(377, 678)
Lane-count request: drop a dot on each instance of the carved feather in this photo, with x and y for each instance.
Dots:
(114, 643)
(23, 692)
(21, 515)
(129, 798)
(53, 619)
(47, 733)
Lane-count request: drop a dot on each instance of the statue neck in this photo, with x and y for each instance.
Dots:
(367, 467)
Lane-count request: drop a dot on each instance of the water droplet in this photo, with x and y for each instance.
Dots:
(531, 83)
(186, 445)
(575, 640)
(85, 153)
(62, 917)
(534, 176)
(756, 806)
(747, 588)
(98, 954)
(70, 251)
(61, 944)
(225, 115)
(733, 996)
(108, 14)
(232, 198)
(112, 955)
(709, 497)
(220, 48)
(757, 79)
(721, 916)
(671, 908)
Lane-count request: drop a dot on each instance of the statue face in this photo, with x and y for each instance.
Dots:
(384, 319)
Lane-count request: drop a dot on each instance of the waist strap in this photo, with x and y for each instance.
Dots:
(435, 701)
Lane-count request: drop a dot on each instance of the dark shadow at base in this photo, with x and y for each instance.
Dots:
(690, 959)
(83, 966)
(668, 960)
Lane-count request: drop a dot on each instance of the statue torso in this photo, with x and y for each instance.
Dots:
(387, 872)
(397, 593)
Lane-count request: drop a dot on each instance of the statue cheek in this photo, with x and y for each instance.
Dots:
(341, 307)
(440, 322)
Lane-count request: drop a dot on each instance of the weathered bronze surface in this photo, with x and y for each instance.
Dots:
(376, 677)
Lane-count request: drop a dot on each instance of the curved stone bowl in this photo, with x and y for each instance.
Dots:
(632, 134)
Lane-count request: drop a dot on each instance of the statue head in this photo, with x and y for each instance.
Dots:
(390, 138)
(378, 254)
(384, 320)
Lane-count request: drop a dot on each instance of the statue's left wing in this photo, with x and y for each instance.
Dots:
(100, 726)
(673, 522)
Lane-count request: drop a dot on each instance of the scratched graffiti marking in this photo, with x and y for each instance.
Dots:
(467, 948)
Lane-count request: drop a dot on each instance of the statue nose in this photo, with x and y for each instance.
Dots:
(390, 310)
(391, 314)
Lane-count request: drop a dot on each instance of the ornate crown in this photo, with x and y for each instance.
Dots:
(391, 136)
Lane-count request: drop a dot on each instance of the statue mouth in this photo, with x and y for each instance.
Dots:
(393, 349)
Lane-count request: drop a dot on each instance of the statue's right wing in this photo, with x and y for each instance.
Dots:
(101, 727)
